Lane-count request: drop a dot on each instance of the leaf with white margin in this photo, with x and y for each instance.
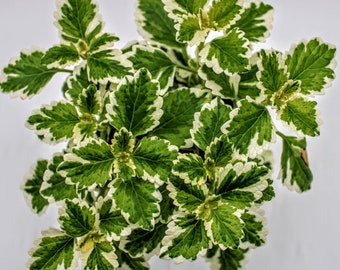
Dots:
(31, 186)
(88, 165)
(224, 12)
(77, 218)
(251, 129)
(27, 75)
(219, 151)
(190, 167)
(126, 262)
(177, 8)
(229, 259)
(188, 197)
(138, 201)
(186, 238)
(208, 122)
(153, 158)
(136, 104)
(102, 41)
(55, 122)
(141, 242)
(295, 172)
(255, 232)
(54, 250)
(111, 221)
(313, 64)
(190, 30)
(101, 256)
(167, 205)
(240, 185)
(226, 53)
(255, 21)
(89, 101)
(61, 56)
(161, 67)
(179, 107)
(248, 82)
(154, 23)
(301, 115)
(54, 187)
(107, 65)
(222, 85)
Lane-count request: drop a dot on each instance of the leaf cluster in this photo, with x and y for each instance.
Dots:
(168, 139)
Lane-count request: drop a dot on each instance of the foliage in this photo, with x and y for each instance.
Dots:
(168, 139)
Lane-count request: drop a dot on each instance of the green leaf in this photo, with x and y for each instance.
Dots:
(248, 85)
(179, 107)
(142, 242)
(107, 65)
(167, 205)
(55, 122)
(208, 123)
(111, 222)
(26, 76)
(227, 53)
(129, 263)
(187, 196)
(54, 251)
(301, 115)
(32, 184)
(88, 165)
(161, 67)
(54, 186)
(254, 230)
(153, 158)
(78, 219)
(219, 151)
(190, 167)
(255, 21)
(138, 201)
(76, 83)
(190, 30)
(312, 63)
(175, 7)
(89, 101)
(251, 128)
(154, 24)
(229, 259)
(295, 172)
(102, 41)
(136, 104)
(76, 19)
(223, 12)
(186, 238)
(101, 257)
(123, 142)
(61, 55)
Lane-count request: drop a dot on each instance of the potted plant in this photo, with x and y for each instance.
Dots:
(168, 138)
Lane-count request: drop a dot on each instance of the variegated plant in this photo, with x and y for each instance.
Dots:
(169, 138)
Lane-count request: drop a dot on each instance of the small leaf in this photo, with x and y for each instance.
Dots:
(32, 185)
(190, 30)
(219, 151)
(102, 256)
(78, 219)
(223, 12)
(227, 53)
(301, 115)
(89, 102)
(27, 75)
(61, 55)
(102, 42)
(175, 7)
(229, 259)
(138, 200)
(186, 238)
(88, 165)
(311, 63)
(136, 104)
(179, 107)
(295, 172)
(208, 123)
(127, 262)
(54, 251)
(55, 122)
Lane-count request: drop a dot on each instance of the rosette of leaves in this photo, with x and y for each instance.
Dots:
(168, 139)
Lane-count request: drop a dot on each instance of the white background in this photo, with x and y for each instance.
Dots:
(304, 230)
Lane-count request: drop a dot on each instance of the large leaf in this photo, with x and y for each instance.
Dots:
(78, 219)
(154, 23)
(312, 63)
(27, 75)
(186, 238)
(295, 172)
(179, 107)
(53, 251)
(251, 129)
(138, 201)
(136, 104)
(89, 165)
(32, 184)
(226, 53)
(102, 256)
(208, 123)
(55, 122)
